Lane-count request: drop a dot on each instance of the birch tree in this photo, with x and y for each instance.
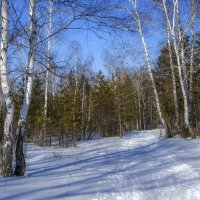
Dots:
(180, 57)
(75, 62)
(140, 30)
(85, 96)
(49, 62)
(7, 147)
(20, 160)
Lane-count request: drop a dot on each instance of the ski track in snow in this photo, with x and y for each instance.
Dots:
(175, 182)
(140, 166)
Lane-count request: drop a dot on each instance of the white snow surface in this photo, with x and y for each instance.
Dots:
(140, 166)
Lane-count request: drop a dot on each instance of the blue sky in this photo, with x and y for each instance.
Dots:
(91, 44)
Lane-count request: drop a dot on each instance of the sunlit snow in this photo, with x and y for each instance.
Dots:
(140, 166)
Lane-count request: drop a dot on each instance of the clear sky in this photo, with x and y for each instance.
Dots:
(91, 44)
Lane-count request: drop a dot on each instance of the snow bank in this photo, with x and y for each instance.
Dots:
(140, 166)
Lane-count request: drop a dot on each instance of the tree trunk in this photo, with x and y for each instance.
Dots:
(185, 76)
(75, 98)
(74, 112)
(149, 68)
(46, 101)
(89, 114)
(48, 67)
(82, 110)
(20, 161)
(7, 146)
(173, 80)
(181, 65)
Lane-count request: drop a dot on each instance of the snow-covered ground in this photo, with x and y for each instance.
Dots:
(140, 166)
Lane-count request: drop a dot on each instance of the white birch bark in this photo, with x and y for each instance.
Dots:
(46, 93)
(181, 46)
(138, 21)
(20, 161)
(49, 64)
(29, 76)
(7, 147)
(48, 55)
(53, 81)
(179, 64)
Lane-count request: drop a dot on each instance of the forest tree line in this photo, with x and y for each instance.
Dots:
(81, 104)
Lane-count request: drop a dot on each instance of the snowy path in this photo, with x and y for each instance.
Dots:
(138, 167)
(151, 172)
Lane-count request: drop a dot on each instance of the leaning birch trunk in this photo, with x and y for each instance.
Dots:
(7, 146)
(180, 70)
(149, 68)
(20, 160)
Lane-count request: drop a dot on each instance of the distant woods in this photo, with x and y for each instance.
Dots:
(108, 105)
